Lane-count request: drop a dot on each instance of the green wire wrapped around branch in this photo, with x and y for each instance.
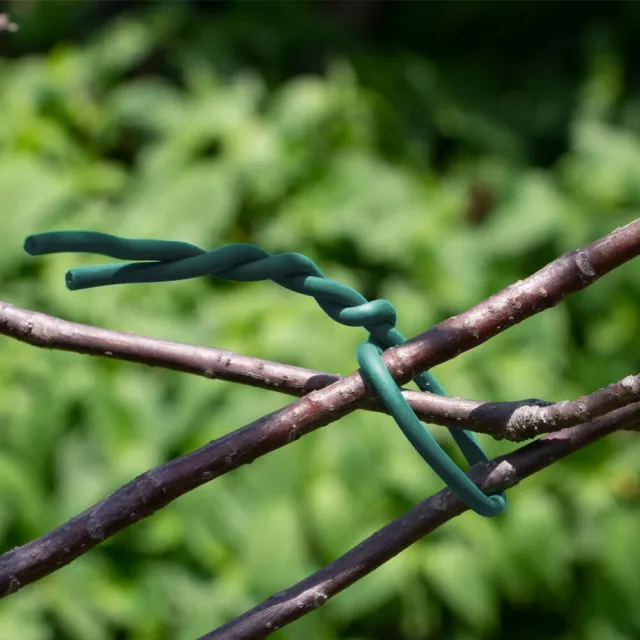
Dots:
(166, 260)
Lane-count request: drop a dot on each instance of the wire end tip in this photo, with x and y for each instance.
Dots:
(31, 245)
(69, 281)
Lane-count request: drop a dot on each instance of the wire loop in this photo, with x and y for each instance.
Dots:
(168, 260)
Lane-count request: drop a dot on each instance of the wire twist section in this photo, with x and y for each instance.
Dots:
(168, 260)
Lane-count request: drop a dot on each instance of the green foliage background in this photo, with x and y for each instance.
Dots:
(430, 154)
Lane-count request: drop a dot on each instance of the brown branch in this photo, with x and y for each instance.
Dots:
(544, 289)
(496, 475)
(519, 421)
(42, 330)
(157, 487)
(516, 421)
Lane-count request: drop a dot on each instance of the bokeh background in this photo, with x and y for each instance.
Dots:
(429, 153)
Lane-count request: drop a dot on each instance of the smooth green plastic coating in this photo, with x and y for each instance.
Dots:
(377, 374)
(166, 260)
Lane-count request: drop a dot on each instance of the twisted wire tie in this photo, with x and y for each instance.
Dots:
(168, 260)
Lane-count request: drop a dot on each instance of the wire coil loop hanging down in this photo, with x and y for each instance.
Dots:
(168, 260)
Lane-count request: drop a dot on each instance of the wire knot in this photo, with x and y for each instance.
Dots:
(168, 260)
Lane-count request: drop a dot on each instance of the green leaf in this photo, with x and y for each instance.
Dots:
(457, 575)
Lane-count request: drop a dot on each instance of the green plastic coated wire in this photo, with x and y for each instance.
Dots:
(167, 260)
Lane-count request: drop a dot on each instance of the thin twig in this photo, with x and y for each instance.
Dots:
(157, 487)
(496, 475)
(516, 421)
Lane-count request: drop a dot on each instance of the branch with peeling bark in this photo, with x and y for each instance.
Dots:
(496, 475)
(517, 421)
(156, 488)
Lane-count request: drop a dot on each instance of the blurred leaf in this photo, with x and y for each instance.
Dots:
(31, 194)
(456, 574)
(360, 145)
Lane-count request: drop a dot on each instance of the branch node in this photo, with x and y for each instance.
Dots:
(587, 272)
